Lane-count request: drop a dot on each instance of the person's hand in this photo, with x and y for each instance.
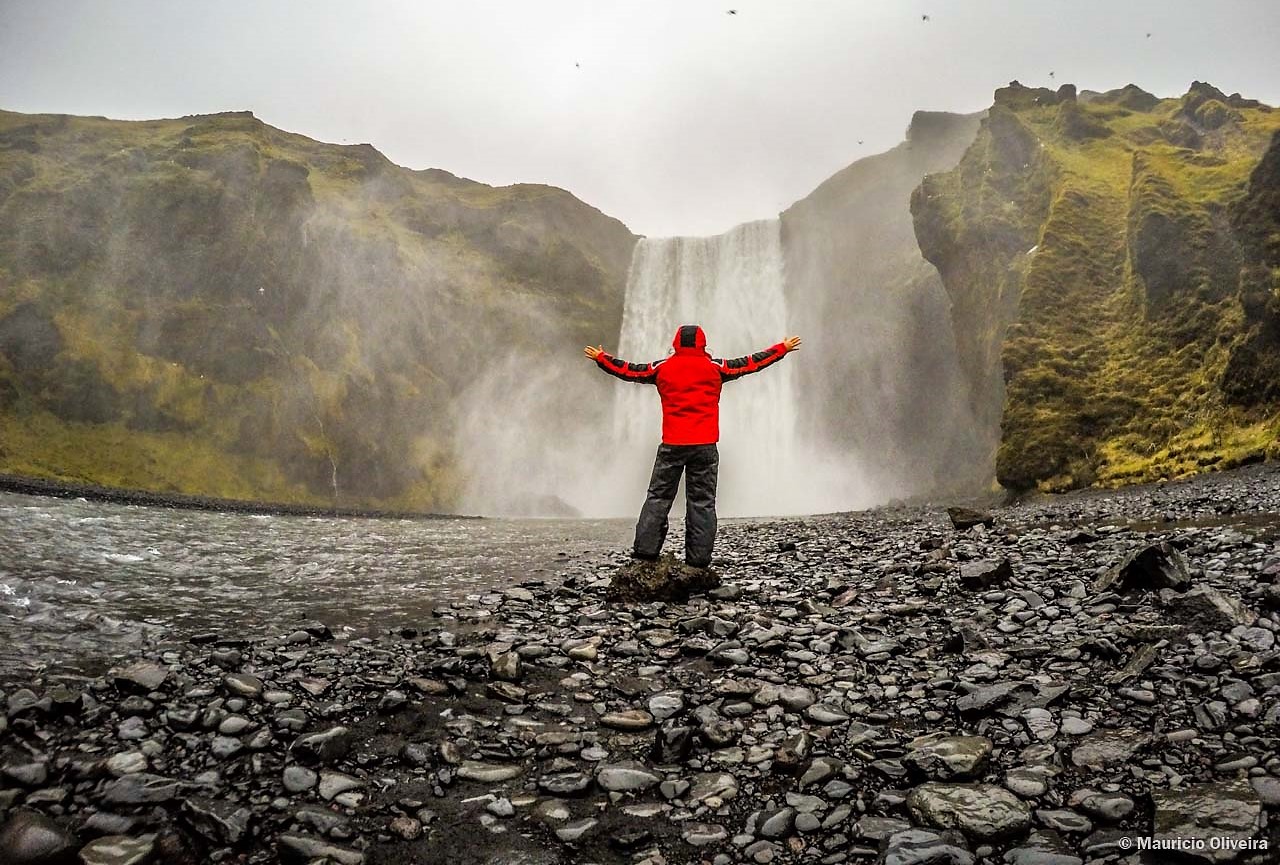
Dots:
(593, 351)
(792, 343)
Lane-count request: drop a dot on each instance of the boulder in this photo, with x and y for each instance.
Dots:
(1159, 566)
(1209, 609)
(981, 811)
(30, 838)
(985, 573)
(941, 757)
(923, 847)
(967, 518)
(1224, 810)
(663, 580)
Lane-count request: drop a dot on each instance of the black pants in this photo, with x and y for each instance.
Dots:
(702, 464)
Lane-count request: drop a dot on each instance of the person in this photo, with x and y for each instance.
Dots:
(688, 382)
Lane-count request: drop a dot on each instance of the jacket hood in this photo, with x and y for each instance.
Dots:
(690, 339)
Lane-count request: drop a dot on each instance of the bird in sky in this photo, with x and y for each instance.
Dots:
(1051, 74)
(1148, 35)
(924, 17)
(859, 140)
(732, 12)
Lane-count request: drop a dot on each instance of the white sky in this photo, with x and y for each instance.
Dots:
(680, 119)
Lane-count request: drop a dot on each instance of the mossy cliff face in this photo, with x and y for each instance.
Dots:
(210, 305)
(1111, 262)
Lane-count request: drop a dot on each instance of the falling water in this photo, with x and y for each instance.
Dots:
(732, 285)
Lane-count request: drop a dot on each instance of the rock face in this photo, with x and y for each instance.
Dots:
(1096, 252)
(279, 299)
(663, 580)
(849, 248)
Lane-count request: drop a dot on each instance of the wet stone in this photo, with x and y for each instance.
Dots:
(632, 719)
(1107, 807)
(489, 773)
(776, 824)
(984, 574)
(1224, 810)
(981, 811)
(140, 677)
(29, 774)
(298, 848)
(565, 784)
(140, 788)
(575, 830)
(117, 850)
(923, 847)
(30, 838)
(1103, 749)
(220, 821)
(702, 834)
(297, 779)
(1159, 566)
(325, 748)
(625, 777)
(334, 784)
(243, 685)
(943, 757)
(405, 828)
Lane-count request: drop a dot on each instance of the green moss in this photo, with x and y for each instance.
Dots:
(1130, 308)
(263, 311)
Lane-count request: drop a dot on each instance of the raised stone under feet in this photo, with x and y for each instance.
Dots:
(663, 580)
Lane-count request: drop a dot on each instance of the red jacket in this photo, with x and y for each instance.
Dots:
(689, 383)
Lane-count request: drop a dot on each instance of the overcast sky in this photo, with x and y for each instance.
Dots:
(672, 115)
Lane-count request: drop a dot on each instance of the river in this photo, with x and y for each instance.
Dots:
(81, 581)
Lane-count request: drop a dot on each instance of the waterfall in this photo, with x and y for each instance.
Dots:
(732, 285)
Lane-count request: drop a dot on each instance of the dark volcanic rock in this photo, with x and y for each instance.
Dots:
(1224, 810)
(1210, 609)
(981, 811)
(30, 838)
(923, 847)
(799, 718)
(663, 580)
(967, 518)
(984, 574)
(1159, 566)
(326, 747)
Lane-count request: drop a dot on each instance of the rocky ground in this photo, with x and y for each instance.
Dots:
(1050, 686)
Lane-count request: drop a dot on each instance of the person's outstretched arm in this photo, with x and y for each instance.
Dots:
(737, 367)
(640, 373)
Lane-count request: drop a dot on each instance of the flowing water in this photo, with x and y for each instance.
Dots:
(732, 285)
(81, 581)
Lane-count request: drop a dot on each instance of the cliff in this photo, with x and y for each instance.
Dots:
(880, 376)
(1111, 264)
(210, 305)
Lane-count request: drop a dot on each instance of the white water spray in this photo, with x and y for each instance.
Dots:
(731, 285)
